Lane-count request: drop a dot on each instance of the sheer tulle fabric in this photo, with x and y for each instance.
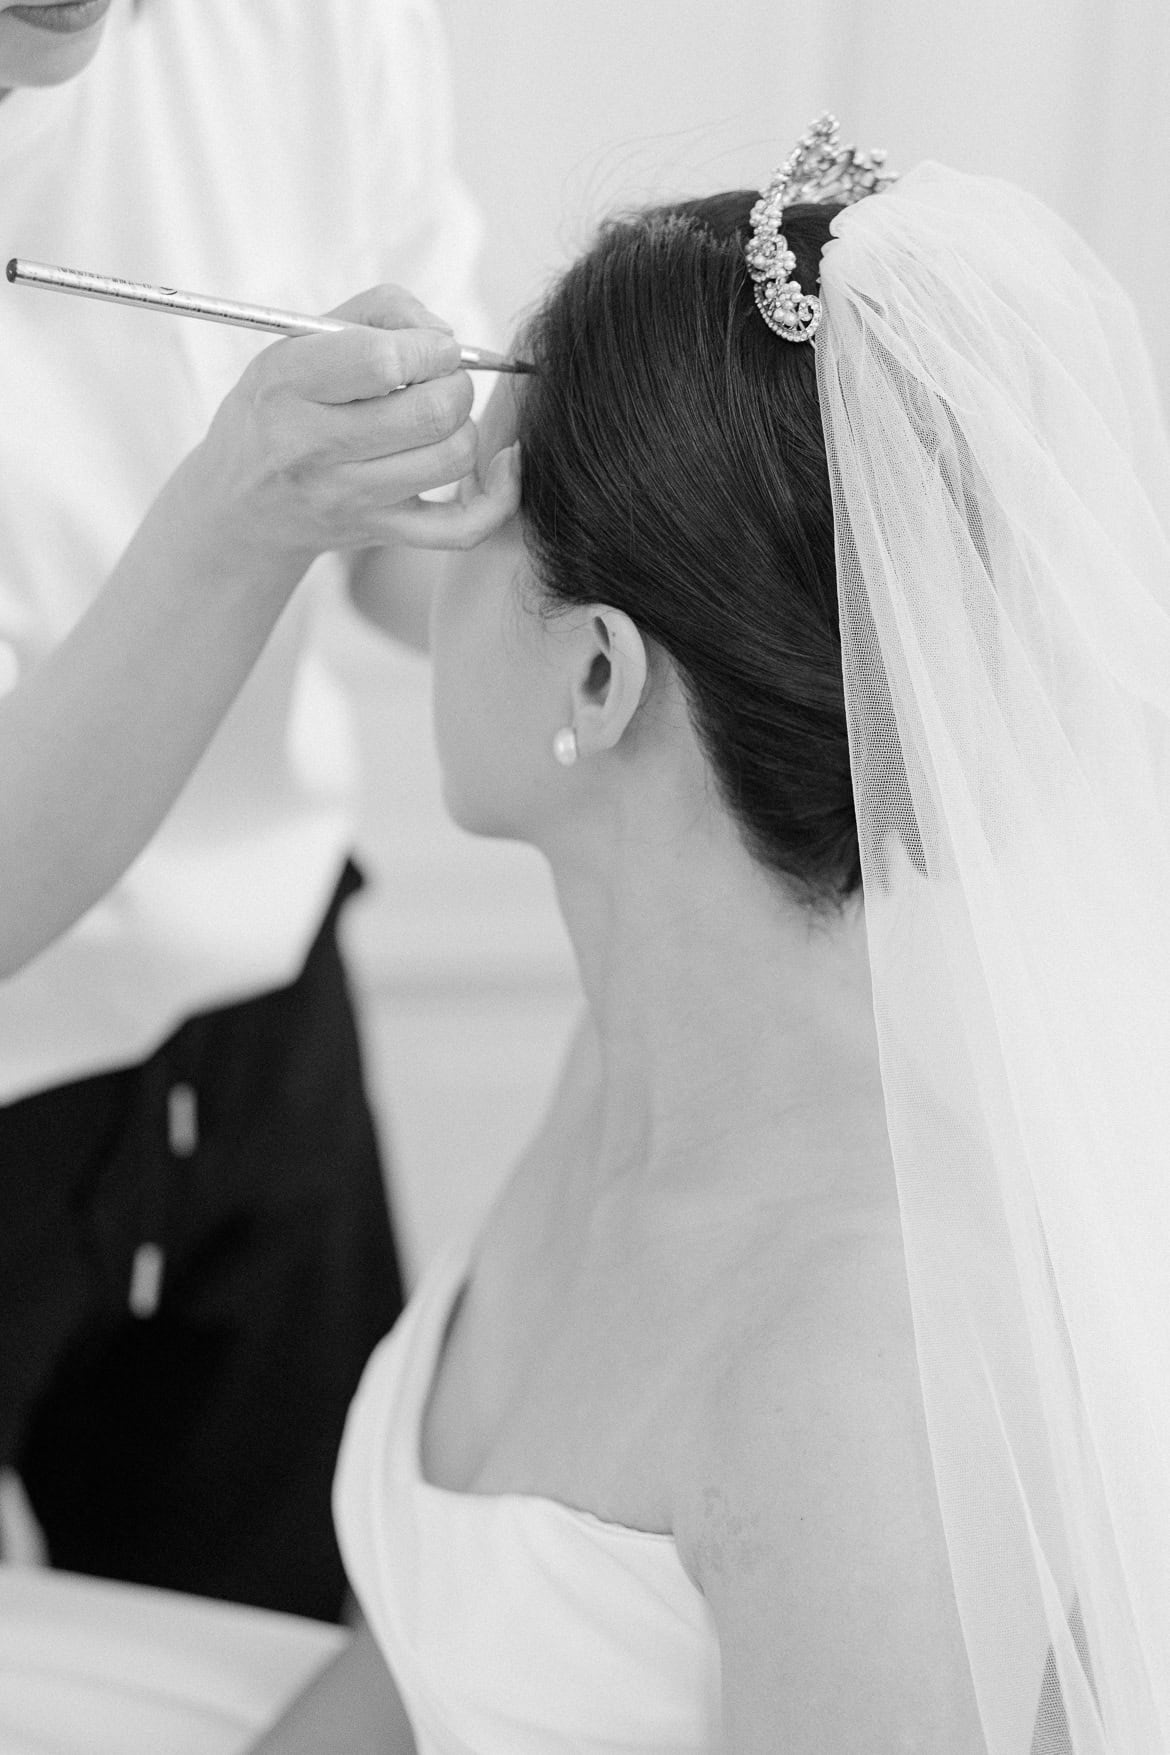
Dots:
(1001, 484)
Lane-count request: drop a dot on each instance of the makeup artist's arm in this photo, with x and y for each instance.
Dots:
(352, 1708)
(307, 453)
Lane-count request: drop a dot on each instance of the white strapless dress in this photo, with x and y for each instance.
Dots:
(513, 1624)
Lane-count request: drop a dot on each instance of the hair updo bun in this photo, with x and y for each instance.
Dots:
(674, 466)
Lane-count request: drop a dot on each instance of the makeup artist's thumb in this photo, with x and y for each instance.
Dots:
(389, 307)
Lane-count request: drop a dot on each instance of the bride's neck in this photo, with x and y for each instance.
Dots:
(728, 1017)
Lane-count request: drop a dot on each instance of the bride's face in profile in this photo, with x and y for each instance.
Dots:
(499, 694)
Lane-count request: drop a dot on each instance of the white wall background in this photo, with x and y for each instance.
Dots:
(566, 109)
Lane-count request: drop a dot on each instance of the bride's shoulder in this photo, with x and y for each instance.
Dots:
(809, 1518)
(814, 1350)
(816, 1346)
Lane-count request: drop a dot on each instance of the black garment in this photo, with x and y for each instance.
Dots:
(194, 1447)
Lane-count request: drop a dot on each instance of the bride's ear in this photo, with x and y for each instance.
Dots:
(610, 681)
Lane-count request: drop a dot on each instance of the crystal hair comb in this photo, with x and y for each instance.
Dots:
(820, 169)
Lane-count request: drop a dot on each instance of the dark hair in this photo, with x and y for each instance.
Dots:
(674, 466)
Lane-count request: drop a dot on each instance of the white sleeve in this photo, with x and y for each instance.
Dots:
(433, 228)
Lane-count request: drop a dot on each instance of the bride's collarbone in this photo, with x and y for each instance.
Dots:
(580, 1356)
(555, 1392)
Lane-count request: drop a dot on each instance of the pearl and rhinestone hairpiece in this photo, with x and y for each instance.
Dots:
(820, 169)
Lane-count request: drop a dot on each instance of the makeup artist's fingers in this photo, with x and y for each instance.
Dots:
(355, 498)
(354, 364)
(462, 523)
(399, 342)
(389, 307)
(293, 492)
(424, 467)
(421, 415)
(379, 512)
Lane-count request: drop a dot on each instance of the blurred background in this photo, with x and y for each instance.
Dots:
(562, 113)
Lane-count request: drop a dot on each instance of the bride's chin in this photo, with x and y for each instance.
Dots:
(475, 815)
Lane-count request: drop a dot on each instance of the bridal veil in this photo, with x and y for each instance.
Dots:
(1001, 487)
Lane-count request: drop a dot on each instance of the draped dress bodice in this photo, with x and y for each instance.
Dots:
(513, 1624)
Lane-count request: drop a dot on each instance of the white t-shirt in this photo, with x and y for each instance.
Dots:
(288, 152)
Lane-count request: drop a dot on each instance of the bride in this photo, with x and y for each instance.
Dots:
(805, 1388)
(658, 1430)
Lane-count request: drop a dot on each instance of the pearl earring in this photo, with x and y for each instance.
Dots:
(565, 746)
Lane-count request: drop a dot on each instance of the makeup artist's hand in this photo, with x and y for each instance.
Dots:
(327, 440)
(313, 450)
